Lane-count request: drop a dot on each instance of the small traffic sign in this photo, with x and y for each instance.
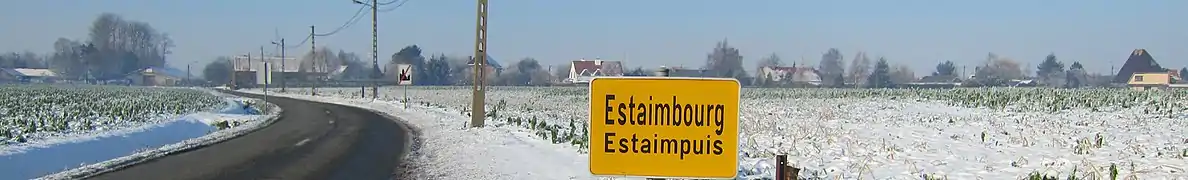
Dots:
(405, 77)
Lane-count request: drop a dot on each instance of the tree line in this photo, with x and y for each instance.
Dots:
(723, 61)
(115, 47)
(992, 71)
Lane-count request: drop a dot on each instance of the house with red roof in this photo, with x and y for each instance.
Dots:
(582, 71)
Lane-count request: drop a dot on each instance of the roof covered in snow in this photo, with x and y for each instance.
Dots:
(167, 71)
(490, 62)
(30, 72)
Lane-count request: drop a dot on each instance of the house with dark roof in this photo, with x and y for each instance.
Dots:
(157, 76)
(582, 71)
(1140, 61)
(492, 68)
(490, 62)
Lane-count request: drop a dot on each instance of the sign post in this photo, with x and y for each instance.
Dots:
(664, 127)
(405, 80)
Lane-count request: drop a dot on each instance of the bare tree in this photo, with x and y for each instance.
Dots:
(122, 46)
(859, 69)
(67, 58)
(902, 74)
(726, 62)
(561, 72)
(322, 60)
(764, 80)
(997, 71)
(832, 68)
(770, 61)
(527, 71)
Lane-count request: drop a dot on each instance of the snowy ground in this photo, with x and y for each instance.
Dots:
(33, 113)
(74, 155)
(887, 138)
(828, 137)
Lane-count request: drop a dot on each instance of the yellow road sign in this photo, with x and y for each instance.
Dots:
(664, 127)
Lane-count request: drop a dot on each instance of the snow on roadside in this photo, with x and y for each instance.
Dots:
(249, 123)
(78, 151)
(448, 150)
(892, 138)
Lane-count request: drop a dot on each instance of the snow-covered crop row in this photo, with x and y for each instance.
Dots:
(34, 111)
(1006, 133)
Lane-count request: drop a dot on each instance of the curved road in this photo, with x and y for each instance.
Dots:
(311, 140)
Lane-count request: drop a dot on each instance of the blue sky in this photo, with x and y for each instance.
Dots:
(651, 33)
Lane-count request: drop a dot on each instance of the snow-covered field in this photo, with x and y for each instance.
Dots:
(34, 112)
(848, 134)
(87, 129)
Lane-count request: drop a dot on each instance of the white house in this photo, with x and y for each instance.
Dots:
(582, 71)
(794, 75)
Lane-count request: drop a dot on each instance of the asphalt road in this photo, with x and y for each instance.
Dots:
(311, 140)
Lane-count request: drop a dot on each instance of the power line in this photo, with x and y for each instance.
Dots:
(349, 22)
(302, 43)
(394, 7)
(390, 2)
(355, 18)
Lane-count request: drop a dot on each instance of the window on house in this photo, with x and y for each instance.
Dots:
(1138, 78)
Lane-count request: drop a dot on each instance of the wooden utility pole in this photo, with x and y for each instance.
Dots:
(478, 112)
(313, 49)
(282, 59)
(374, 48)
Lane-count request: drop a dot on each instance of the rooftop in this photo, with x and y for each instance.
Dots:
(490, 62)
(597, 67)
(165, 71)
(30, 72)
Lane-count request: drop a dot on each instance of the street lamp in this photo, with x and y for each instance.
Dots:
(282, 74)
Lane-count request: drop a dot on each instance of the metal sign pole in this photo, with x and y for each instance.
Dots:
(265, 71)
(406, 100)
